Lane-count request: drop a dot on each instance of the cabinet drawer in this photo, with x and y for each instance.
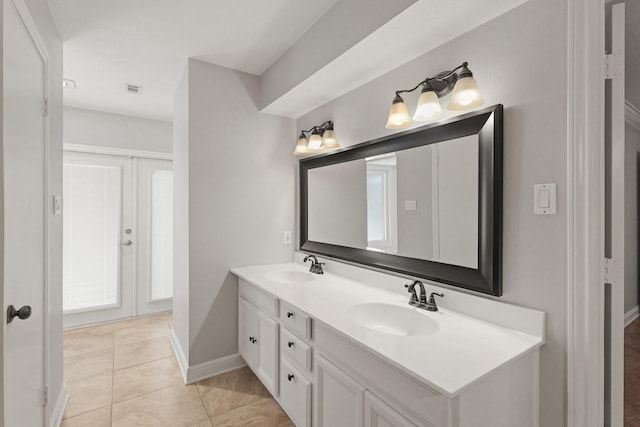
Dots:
(296, 350)
(264, 301)
(295, 320)
(295, 394)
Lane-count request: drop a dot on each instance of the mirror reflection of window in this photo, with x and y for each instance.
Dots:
(382, 222)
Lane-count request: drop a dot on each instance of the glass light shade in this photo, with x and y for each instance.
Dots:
(466, 94)
(329, 139)
(302, 147)
(398, 116)
(315, 141)
(428, 107)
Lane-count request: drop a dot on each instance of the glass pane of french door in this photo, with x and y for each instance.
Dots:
(97, 261)
(161, 234)
(155, 231)
(91, 246)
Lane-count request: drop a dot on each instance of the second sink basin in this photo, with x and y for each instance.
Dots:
(393, 320)
(289, 277)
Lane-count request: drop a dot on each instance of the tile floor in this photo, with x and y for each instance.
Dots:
(125, 374)
(632, 374)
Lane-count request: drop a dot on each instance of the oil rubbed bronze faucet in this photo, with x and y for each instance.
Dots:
(316, 267)
(422, 301)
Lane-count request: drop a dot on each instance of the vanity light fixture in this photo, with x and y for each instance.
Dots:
(466, 95)
(322, 139)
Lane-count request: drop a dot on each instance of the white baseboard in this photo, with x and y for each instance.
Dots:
(631, 315)
(191, 374)
(177, 350)
(58, 410)
(214, 367)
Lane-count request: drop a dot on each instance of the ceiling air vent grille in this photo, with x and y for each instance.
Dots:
(131, 88)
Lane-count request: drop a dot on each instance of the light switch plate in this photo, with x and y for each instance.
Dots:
(544, 199)
(410, 205)
(287, 238)
(57, 205)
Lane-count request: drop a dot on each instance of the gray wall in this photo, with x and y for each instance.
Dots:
(241, 180)
(338, 204)
(116, 130)
(415, 182)
(314, 50)
(41, 15)
(180, 322)
(511, 58)
(632, 151)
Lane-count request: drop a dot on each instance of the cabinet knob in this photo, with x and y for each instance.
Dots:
(290, 377)
(253, 340)
(289, 314)
(250, 339)
(290, 344)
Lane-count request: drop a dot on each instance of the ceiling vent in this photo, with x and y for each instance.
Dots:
(133, 88)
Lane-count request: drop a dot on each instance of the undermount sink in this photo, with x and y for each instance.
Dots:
(393, 320)
(289, 277)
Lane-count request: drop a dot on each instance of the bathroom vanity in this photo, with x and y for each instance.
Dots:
(335, 352)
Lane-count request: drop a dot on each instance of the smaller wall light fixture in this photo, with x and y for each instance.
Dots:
(465, 95)
(322, 139)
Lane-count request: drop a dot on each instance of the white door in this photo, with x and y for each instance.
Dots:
(339, 398)
(25, 136)
(614, 220)
(155, 236)
(99, 238)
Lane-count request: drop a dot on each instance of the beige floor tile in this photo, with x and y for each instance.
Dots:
(98, 418)
(263, 413)
(231, 390)
(88, 365)
(88, 394)
(205, 423)
(142, 332)
(178, 406)
(87, 342)
(147, 378)
(142, 352)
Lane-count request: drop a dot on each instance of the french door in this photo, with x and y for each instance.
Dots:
(117, 237)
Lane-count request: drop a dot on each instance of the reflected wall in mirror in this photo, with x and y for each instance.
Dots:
(418, 203)
(425, 202)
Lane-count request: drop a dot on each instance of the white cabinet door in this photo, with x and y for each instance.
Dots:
(246, 312)
(377, 413)
(266, 351)
(295, 394)
(339, 397)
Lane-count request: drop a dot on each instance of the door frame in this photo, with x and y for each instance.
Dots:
(34, 33)
(585, 212)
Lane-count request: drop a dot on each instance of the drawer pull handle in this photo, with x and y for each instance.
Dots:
(289, 314)
(290, 344)
(290, 377)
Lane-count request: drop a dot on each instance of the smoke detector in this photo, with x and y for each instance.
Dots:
(131, 88)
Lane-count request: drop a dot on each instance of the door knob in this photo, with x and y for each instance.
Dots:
(127, 243)
(23, 313)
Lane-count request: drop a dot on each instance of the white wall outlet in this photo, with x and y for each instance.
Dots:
(544, 199)
(57, 205)
(410, 205)
(287, 238)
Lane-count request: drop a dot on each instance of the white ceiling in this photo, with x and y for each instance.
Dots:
(108, 43)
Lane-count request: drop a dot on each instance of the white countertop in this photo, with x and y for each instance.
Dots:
(462, 350)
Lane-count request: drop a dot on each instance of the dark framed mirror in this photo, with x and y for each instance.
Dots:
(426, 202)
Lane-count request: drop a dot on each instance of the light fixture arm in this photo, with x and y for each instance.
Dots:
(446, 80)
(320, 128)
